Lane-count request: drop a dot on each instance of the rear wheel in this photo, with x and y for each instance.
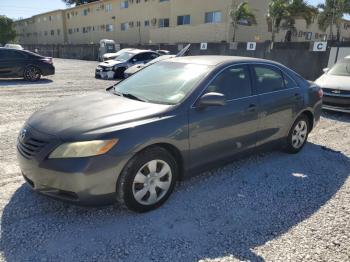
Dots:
(298, 135)
(148, 180)
(32, 73)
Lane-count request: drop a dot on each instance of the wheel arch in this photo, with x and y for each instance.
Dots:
(33, 65)
(174, 151)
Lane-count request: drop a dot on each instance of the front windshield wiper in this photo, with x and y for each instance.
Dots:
(130, 96)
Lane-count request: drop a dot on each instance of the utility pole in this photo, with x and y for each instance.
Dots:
(333, 17)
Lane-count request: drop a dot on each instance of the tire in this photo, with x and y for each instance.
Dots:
(298, 135)
(138, 188)
(119, 73)
(32, 73)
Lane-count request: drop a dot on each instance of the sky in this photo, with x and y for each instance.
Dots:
(25, 8)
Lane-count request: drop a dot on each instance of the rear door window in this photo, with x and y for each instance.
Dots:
(289, 82)
(268, 79)
(233, 82)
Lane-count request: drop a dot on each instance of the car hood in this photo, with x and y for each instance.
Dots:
(92, 112)
(111, 63)
(334, 82)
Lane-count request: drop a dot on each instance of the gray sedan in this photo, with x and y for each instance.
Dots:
(134, 142)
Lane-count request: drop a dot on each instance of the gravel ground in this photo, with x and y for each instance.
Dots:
(268, 207)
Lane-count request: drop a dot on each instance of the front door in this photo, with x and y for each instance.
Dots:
(217, 132)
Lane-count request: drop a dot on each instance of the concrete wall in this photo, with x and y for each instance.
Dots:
(297, 56)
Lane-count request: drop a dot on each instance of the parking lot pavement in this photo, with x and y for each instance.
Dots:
(270, 206)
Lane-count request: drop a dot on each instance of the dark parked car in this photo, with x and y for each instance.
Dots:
(21, 63)
(335, 83)
(115, 68)
(135, 141)
(134, 69)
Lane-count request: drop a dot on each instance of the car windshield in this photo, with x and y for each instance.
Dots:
(124, 56)
(163, 82)
(341, 69)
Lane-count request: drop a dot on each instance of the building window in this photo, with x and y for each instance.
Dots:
(85, 12)
(52, 32)
(124, 26)
(109, 28)
(124, 4)
(213, 17)
(58, 31)
(164, 22)
(163, 1)
(146, 23)
(184, 20)
(108, 8)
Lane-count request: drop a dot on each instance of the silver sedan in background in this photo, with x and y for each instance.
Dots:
(335, 83)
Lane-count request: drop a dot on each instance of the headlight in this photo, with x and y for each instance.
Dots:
(83, 149)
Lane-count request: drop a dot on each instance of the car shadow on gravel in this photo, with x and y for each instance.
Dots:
(224, 212)
(15, 82)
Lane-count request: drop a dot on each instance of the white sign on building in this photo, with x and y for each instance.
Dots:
(204, 46)
(251, 46)
(320, 46)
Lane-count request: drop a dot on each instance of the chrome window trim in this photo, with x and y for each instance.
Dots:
(255, 95)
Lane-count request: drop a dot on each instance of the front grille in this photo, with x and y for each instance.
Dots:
(30, 147)
(336, 91)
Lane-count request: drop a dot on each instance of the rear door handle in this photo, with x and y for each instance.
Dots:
(252, 108)
(298, 97)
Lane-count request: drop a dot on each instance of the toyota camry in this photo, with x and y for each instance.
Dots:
(133, 142)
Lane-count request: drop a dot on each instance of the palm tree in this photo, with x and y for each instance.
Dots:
(241, 15)
(331, 13)
(283, 13)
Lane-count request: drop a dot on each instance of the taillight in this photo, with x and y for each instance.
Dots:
(320, 93)
(48, 60)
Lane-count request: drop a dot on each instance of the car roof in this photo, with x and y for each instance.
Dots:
(212, 60)
(138, 51)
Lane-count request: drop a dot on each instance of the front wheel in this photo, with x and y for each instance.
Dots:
(119, 73)
(298, 135)
(148, 180)
(32, 73)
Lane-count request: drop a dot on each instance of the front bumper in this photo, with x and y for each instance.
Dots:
(336, 102)
(48, 70)
(85, 181)
(104, 73)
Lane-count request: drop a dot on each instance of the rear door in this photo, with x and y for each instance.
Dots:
(5, 63)
(279, 99)
(220, 131)
(12, 62)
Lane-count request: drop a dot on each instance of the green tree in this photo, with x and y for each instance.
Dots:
(241, 15)
(78, 2)
(331, 14)
(283, 13)
(7, 32)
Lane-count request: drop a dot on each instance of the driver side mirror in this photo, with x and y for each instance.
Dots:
(212, 99)
(325, 70)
